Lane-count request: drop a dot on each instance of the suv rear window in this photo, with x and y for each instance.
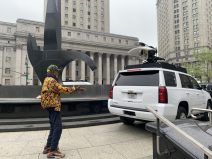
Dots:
(139, 78)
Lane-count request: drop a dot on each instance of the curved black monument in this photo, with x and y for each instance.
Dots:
(52, 53)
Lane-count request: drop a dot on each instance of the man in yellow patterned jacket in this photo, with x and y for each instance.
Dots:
(50, 100)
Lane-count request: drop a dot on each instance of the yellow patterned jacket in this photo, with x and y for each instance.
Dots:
(50, 93)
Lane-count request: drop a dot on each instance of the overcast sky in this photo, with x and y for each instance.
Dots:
(135, 18)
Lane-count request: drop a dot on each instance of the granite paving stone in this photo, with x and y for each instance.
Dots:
(112, 141)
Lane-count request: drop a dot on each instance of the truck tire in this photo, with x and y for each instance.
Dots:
(181, 113)
(127, 121)
(205, 115)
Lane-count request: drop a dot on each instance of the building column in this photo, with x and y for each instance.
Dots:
(64, 74)
(1, 63)
(137, 60)
(69, 71)
(115, 65)
(73, 70)
(82, 70)
(30, 73)
(130, 60)
(100, 69)
(122, 62)
(108, 69)
(18, 61)
(91, 72)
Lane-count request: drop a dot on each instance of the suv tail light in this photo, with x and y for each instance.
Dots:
(111, 92)
(162, 95)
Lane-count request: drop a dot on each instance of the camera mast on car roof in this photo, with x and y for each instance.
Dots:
(148, 55)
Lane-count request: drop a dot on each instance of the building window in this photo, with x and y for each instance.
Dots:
(88, 36)
(126, 41)
(74, 2)
(66, 22)
(37, 29)
(9, 30)
(66, 8)
(8, 49)
(7, 70)
(196, 44)
(7, 81)
(81, 19)
(78, 34)
(89, 27)
(89, 13)
(74, 16)
(74, 24)
(112, 40)
(119, 41)
(69, 33)
(66, 15)
(66, 1)
(74, 9)
(105, 38)
(8, 59)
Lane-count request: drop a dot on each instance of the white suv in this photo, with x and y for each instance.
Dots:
(164, 87)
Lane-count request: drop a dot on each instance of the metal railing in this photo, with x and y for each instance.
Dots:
(207, 152)
(202, 110)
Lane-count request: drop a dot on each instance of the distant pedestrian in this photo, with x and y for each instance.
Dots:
(50, 100)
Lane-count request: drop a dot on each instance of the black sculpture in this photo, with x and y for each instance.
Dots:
(52, 53)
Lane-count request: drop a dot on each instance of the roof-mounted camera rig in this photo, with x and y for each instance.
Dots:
(148, 55)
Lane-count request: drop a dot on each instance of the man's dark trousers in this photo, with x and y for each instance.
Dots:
(55, 130)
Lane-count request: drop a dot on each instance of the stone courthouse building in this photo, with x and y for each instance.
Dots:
(85, 28)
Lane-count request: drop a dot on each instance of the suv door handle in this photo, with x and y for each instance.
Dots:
(187, 93)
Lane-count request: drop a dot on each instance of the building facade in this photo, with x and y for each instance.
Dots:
(184, 27)
(85, 14)
(109, 51)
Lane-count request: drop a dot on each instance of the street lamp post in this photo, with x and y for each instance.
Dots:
(27, 71)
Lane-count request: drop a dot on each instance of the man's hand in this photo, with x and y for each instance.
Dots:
(78, 88)
(38, 97)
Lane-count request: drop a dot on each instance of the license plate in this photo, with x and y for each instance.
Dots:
(132, 96)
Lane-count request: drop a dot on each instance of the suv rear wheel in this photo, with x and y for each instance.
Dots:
(206, 115)
(181, 113)
(127, 121)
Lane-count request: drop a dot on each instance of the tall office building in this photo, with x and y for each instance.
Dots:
(85, 14)
(184, 27)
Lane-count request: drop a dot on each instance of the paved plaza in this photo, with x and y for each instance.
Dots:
(113, 141)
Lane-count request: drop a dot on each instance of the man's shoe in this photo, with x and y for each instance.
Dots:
(46, 150)
(55, 154)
